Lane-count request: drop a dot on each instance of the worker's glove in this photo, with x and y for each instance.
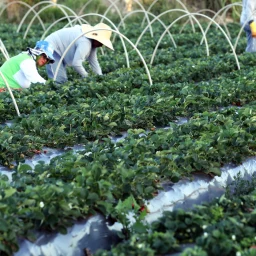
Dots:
(253, 28)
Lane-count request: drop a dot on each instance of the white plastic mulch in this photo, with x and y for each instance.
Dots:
(95, 233)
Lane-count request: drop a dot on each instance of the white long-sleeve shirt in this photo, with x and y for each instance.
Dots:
(28, 74)
(248, 11)
(80, 51)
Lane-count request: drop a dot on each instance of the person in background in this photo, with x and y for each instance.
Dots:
(22, 70)
(84, 48)
(248, 20)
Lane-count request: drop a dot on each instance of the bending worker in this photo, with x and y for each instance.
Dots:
(248, 19)
(21, 70)
(84, 48)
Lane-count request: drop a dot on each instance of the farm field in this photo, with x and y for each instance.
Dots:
(216, 96)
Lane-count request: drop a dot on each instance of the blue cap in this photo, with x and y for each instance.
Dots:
(46, 48)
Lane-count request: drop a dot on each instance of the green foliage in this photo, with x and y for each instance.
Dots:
(241, 186)
(115, 179)
(235, 12)
(90, 8)
(207, 232)
(196, 251)
(51, 14)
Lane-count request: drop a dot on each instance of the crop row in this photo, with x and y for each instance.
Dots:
(114, 179)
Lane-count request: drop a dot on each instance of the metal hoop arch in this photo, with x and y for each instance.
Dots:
(57, 21)
(199, 14)
(80, 12)
(163, 34)
(48, 6)
(146, 16)
(211, 11)
(217, 13)
(10, 91)
(157, 17)
(3, 50)
(27, 5)
(136, 11)
(182, 4)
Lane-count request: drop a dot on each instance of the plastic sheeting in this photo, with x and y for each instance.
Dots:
(95, 233)
(90, 234)
(184, 194)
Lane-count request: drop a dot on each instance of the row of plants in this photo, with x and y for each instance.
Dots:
(116, 178)
(112, 179)
(61, 123)
(225, 227)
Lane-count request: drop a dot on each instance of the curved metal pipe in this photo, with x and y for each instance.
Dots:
(211, 11)
(163, 34)
(156, 18)
(202, 15)
(3, 50)
(136, 11)
(47, 6)
(10, 91)
(82, 9)
(183, 5)
(146, 16)
(27, 5)
(217, 13)
(57, 21)
(117, 9)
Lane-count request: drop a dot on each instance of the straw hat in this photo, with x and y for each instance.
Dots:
(102, 36)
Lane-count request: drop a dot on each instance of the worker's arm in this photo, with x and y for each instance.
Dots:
(93, 60)
(29, 70)
(82, 50)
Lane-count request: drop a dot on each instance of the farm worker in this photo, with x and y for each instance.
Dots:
(22, 70)
(84, 48)
(248, 18)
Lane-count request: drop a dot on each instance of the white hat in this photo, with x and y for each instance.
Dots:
(102, 36)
